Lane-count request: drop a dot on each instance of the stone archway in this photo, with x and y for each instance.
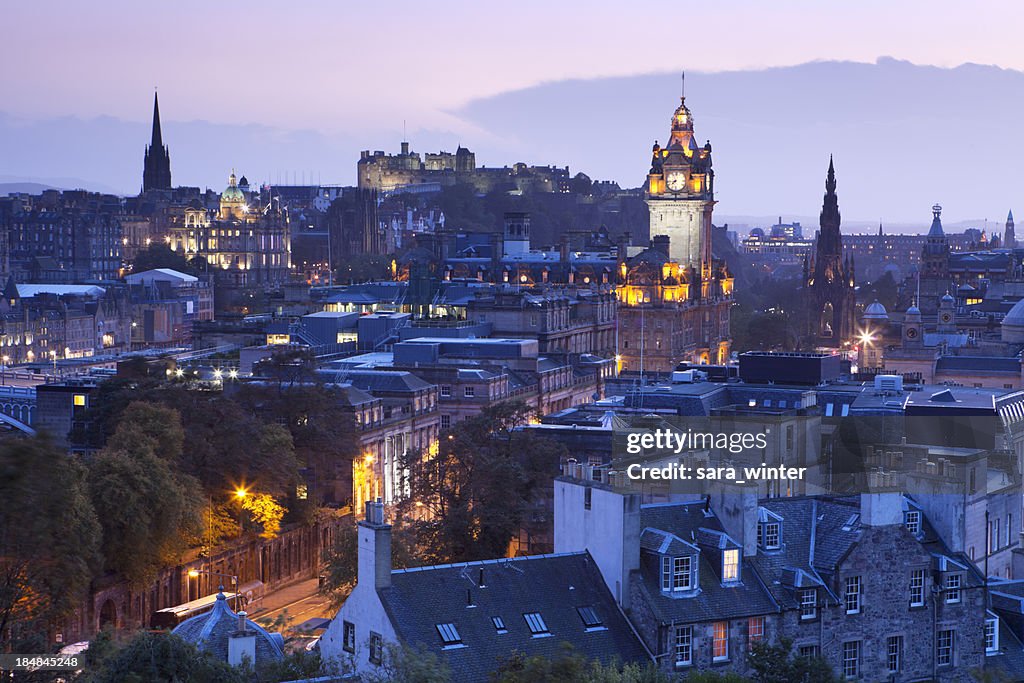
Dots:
(108, 614)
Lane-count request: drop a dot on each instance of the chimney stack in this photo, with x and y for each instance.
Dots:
(374, 553)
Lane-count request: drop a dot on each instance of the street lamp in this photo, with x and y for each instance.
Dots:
(3, 370)
(240, 494)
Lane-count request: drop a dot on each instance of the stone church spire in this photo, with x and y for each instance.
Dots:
(156, 170)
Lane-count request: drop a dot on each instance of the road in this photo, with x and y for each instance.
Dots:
(300, 600)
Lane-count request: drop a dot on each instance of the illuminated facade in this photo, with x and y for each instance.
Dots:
(245, 242)
(667, 315)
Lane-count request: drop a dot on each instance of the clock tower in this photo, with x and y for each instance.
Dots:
(680, 194)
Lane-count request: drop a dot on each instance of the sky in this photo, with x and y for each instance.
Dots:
(327, 78)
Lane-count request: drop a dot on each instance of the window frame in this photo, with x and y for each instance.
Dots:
(851, 647)
(894, 654)
(948, 658)
(684, 641)
(993, 623)
(727, 565)
(376, 648)
(853, 589)
(535, 622)
(917, 586)
(914, 526)
(755, 631)
(812, 604)
(720, 641)
(348, 637)
(954, 593)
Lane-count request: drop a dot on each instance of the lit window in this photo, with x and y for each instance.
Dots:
(79, 400)
(991, 635)
(953, 582)
(808, 603)
(917, 588)
(449, 635)
(944, 648)
(894, 653)
(591, 621)
(755, 630)
(684, 646)
(731, 565)
(536, 623)
(852, 595)
(720, 642)
(914, 521)
(851, 659)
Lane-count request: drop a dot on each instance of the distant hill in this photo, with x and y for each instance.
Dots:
(30, 188)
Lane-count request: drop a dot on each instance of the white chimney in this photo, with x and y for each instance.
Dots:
(242, 644)
(374, 553)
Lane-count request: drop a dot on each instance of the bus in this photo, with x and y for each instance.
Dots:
(169, 617)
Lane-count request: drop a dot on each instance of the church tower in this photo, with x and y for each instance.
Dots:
(680, 194)
(156, 169)
(831, 277)
(1009, 237)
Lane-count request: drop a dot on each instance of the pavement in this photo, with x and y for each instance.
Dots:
(301, 600)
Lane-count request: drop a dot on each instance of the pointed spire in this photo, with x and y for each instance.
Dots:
(1009, 216)
(158, 141)
(830, 179)
(682, 87)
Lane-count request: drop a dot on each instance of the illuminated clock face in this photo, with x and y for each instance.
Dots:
(675, 180)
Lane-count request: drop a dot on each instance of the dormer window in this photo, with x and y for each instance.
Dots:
(769, 535)
(953, 584)
(991, 634)
(676, 574)
(731, 565)
(913, 521)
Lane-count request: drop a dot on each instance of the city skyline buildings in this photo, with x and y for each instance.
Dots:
(77, 134)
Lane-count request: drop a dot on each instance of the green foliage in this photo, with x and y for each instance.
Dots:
(713, 677)
(476, 490)
(404, 664)
(159, 255)
(155, 657)
(777, 663)
(340, 560)
(49, 546)
(266, 512)
(572, 667)
(297, 665)
(152, 426)
(147, 510)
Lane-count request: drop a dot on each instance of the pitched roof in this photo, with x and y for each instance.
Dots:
(211, 630)
(554, 586)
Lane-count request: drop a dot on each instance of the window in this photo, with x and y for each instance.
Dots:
(914, 521)
(469, 392)
(348, 637)
(917, 588)
(953, 588)
(446, 421)
(1009, 524)
(536, 623)
(675, 573)
(684, 646)
(591, 621)
(499, 624)
(731, 565)
(991, 635)
(851, 659)
(720, 641)
(755, 630)
(768, 535)
(893, 653)
(446, 390)
(809, 652)
(845, 410)
(808, 603)
(376, 648)
(828, 409)
(449, 635)
(79, 400)
(852, 595)
(944, 648)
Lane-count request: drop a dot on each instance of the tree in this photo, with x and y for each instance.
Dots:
(777, 663)
(159, 255)
(470, 499)
(341, 565)
(148, 510)
(152, 657)
(153, 426)
(49, 547)
(266, 512)
(572, 667)
(406, 664)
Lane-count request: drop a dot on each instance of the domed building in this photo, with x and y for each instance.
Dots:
(230, 636)
(233, 204)
(1012, 328)
(872, 340)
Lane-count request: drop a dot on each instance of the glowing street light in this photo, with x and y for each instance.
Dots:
(241, 493)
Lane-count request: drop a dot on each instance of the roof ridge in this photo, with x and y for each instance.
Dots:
(475, 563)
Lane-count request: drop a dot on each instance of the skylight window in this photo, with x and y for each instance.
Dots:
(499, 624)
(590, 619)
(536, 624)
(449, 635)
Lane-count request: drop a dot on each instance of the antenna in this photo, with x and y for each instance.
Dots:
(682, 87)
(405, 133)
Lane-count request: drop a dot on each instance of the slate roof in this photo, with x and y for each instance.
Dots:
(420, 599)
(715, 600)
(382, 380)
(993, 364)
(210, 632)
